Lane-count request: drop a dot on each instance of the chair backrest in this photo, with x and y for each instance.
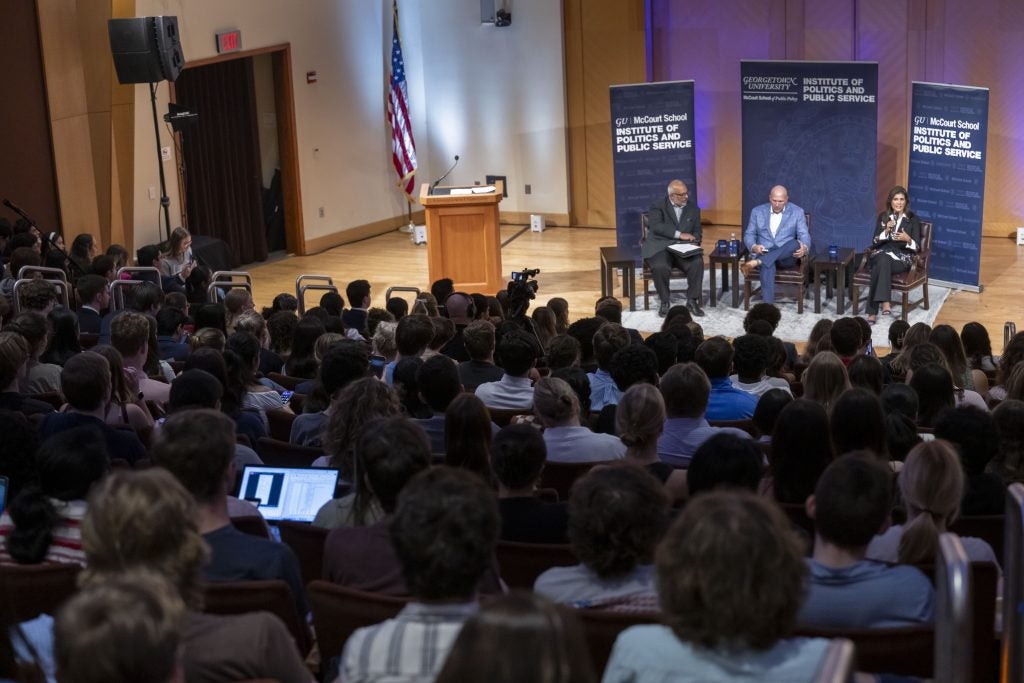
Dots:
(837, 665)
(746, 425)
(307, 542)
(953, 618)
(242, 597)
(601, 628)
(560, 476)
(28, 590)
(338, 611)
(503, 416)
(989, 528)
(304, 283)
(61, 285)
(223, 280)
(522, 563)
(277, 453)
(907, 650)
(132, 271)
(280, 423)
(118, 292)
(1013, 586)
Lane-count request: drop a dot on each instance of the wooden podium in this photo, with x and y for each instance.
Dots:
(463, 241)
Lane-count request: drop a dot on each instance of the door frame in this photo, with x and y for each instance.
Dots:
(287, 137)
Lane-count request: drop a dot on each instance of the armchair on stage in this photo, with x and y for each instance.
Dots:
(799, 275)
(904, 283)
(463, 238)
(646, 274)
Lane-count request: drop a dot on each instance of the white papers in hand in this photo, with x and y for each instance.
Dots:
(686, 249)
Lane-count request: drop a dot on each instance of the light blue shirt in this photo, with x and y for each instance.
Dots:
(508, 393)
(582, 588)
(867, 594)
(684, 435)
(579, 444)
(603, 391)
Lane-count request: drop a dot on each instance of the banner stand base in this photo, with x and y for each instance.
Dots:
(977, 289)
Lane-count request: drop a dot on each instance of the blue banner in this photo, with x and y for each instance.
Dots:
(946, 175)
(652, 144)
(813, 127)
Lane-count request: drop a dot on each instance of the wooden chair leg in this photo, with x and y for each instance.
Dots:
(746, 295)
(906, 305)
(855, 298)
(647, 293)
(925, 294)
(800, 299)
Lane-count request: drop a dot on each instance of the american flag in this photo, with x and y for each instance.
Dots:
(403, 147)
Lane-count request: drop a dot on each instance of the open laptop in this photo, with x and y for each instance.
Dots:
(293, 494)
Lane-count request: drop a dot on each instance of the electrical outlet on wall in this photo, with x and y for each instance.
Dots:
(320, 211)
(528, 189)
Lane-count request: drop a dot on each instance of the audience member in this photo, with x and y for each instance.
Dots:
(750, 360)
(13, 366)
(125, 408)
(343, 364)
(846, 339)
(608, 340)
(397, 307)
(544, 326)
(725, 402)
(467, 436)
(358, 294)
(948, 342)
(767, 412)
(897, 331)
(412, 336)
(583, 331)
(821, 330)
(1008, 462)
(825, 379)
(640, 421)
(858, 424)
(39, 377)
(801, 450)
(461, 311)
(302, 360)
(178, 259)
(725, 461)
(564, 352)
(973, 433)
(356, 404)
(934, 387)
(478, 340)
(769, 313)
(518, 352)
(867, 372)
(978, 348)
(557, 409)
(518, 454)
(281, 328)
(129, 334)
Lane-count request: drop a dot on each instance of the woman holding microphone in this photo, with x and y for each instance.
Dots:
(894, 248)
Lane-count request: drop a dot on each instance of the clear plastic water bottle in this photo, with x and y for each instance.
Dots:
(734, 245)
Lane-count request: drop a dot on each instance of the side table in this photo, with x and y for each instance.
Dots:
(612, 258)
(728, 262)
(834, 268)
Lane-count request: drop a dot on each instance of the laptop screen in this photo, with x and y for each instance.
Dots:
(294, 494)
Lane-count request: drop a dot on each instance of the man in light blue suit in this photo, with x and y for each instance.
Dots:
(776, 235)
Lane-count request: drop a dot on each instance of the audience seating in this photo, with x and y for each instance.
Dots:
(278, 453)
(965, 598)
(28, 590)
(307, 542)
(907, 651)
(522, 563)
(903, 283)
(989, 528)
(746, 425)
(503, 416)
(241, 597)
(601, 628)
(317, 283)
(561, 475)
(280, 423)
(338, 611)
(838, 664)
(285, 381)
(1012, 655)
(254, 525)
(799, 275)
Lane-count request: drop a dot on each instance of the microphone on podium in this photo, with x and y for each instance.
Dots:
(446, 174)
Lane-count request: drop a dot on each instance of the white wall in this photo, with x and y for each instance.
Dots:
(494, 96)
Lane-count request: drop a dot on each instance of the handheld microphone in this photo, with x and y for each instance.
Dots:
(446, 173)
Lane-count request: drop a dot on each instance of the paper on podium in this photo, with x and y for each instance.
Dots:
(686, 249)
(486, 189)
(460, 191)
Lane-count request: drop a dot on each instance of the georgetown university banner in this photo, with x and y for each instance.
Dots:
(812, 126)
(946, 177)
(652, 143)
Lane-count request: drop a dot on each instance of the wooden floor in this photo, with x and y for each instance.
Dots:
(568, 262)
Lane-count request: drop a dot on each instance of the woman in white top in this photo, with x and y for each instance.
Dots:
(178, 259)
(931, 484)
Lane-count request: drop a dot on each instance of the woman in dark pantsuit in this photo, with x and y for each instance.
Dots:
(894, 248)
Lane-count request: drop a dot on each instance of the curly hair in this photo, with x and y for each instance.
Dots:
(730, 571)
(617, 515)
(352, 408)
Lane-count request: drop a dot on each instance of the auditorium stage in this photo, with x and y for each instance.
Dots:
(569, 264)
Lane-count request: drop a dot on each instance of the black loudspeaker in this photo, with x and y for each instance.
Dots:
(146, 49)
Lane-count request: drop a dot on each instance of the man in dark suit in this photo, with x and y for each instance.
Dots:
(358, 294)
(95, 297)
(674, 220)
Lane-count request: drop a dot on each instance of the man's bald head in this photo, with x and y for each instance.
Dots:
(779, 197)
(458, 306)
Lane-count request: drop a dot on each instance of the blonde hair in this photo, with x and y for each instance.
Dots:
(139, 520)
(932, 484)
(384, 339)
(640, 417)
(554, 402)
(825, 379)
(324, 342)
(208, 337)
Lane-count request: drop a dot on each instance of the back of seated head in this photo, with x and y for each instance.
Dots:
(640, 416)
(413, 334)
(926, 353)
(145, 297)
(236, 299)
(518, 351)
(284, 302)
(354, 406)
(345, 362)
(444, 532)
(865, 330)
(846, 337)
(852, 500)
(397, 307)
(118, 532)
(738, 552)
(761, 328)
(210, 315)
(444, 332)
(23, 240)
(666, 347)
(442, 289)
(750, 356)
(102, 265)
(460, 307)
(147, 255)
(89, 286)
(281, 328)
(714, 356)
(194, 389)
(935, 392)
(126, 629)
(897, 331)
(356, 292)
(246, 346)
(32, 326)
(479, 339)
(438, 382)
(392, 450)
(129, 333)
(563, 352)
(197, 447)
(374, 317)
(632, 365)
(68, 464)
(685, 388)
(13, 354)
(315, 312)
(609, 308)
(768, 408)
(762, 312)
(177, 300)
(85, 381)
(36, 295)
(21, 257)
(555, 403)
(974, 434)
(725, 461)
(857, 423)
(248, 321)
(609, 338)
(866, 371)
(332, 303)
(899, 397)
(677, 315)
(577, 379)
(208, 338)
(617, 515)
(168, 320)
(583, 331)
(480, 304)
(518, 453)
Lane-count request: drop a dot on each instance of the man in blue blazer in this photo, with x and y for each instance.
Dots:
(672, 220)
(776, 236)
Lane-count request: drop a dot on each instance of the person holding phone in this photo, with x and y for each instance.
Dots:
(895, 245)
(178, 260)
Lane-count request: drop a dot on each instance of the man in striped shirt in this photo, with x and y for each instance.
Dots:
(444, 532)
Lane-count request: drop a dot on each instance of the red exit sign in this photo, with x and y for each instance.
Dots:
(229, 41)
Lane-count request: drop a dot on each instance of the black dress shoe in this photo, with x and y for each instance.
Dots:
(695, 309)
(662, 310)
